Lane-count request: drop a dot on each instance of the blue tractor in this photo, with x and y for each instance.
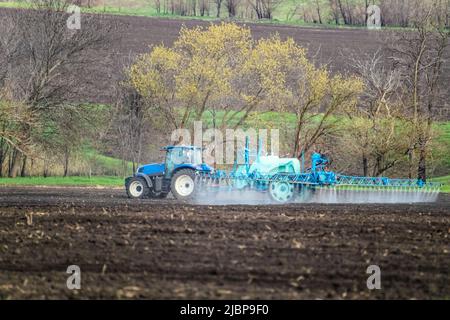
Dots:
(184, 174)
(176, 174)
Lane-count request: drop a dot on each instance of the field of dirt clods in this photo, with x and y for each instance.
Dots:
(163, 249)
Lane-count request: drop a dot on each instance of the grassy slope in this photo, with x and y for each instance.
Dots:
(106, 164)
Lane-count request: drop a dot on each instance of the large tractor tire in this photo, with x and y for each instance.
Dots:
(137, 188)
(183, 185)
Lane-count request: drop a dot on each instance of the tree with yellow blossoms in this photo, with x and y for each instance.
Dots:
(222, 68)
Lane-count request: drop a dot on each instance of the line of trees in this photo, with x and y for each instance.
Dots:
(218, 8)
(340, 12)
(399, 13)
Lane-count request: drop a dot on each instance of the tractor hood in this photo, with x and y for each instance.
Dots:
(152, 169)
(159, 168)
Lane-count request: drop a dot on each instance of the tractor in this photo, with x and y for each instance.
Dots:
(176, 174)
(285, 179)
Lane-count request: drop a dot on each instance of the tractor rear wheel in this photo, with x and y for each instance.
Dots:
(137, 188)
(183, 184)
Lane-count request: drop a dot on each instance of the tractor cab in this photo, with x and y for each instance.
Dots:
(182, 156)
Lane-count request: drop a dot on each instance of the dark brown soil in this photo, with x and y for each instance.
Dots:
(164, 249)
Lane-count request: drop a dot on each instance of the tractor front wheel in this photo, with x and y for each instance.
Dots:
(137, 188)
(183, 184)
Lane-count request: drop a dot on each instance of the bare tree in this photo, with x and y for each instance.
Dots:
(60, 63)
(157, 6)
(378, 126)
(47, 63)
(130, 123)
(343, 10)
(334, 9)
(419, 57)
(264, 8)
(218, 7)
(193, 7)
(232, 6)
(9, 45)
(317, 3)
(203, 7)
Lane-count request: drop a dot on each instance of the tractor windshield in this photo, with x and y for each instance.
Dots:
(177, 156)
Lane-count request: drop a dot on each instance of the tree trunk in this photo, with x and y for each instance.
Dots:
(376, 169)
(343, 13)
(410, 162)
(2, 156)
(66, 162)
(365, 165)
(45, 169)
(318, 11)
(366, 16)
(349, 13)
(296, 153)
(14, 163)
(194, 7)
(31, 165)
(23, 170)
(219, 5)
(422, 167)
